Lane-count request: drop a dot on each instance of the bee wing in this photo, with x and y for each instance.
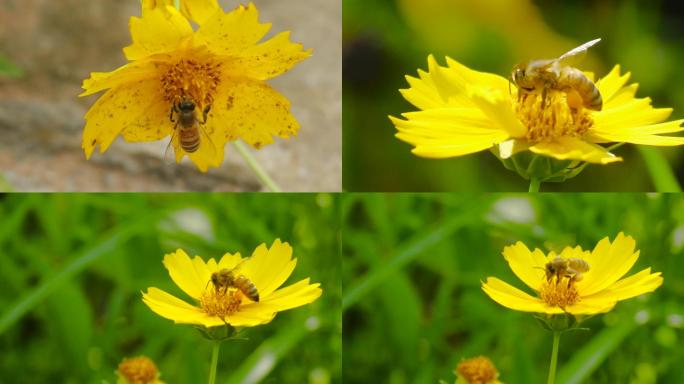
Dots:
(168, 156)
(578, 50)
(206, 144)
(240, 264)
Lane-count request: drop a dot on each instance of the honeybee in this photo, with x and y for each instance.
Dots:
(189, 127)
(571, 267)
(548, 74)
(229, 278)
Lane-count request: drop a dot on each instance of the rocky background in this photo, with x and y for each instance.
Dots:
(58, 43)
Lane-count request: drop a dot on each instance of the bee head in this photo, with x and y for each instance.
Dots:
(186, 105)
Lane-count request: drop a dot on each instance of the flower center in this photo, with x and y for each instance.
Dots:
(477, 370)
(561, 293)
(220, 304)
(559, 114)
(138, 370)
(196, 78)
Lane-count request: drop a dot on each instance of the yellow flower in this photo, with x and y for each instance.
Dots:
(220, 69)
(595, 291)
(138, 370)
(267, 269)
(463, 111)
(477, 370)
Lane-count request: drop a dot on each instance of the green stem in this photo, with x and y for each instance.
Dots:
(661, 173)
(534, 185)
(554, 358)
(214, 361)
(176, 3)
(256, 167)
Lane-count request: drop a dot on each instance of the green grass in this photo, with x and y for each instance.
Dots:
(413, 306)
(73, 267)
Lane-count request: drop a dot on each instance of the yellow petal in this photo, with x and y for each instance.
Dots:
(189, 275)
(289, 297)
(152, 125)
(249, 318)
(158, 31)
(172, 308)
(498, 108)
(571, 148)
(513, 298)
(268, 268)
(528, 266)
(229, 261)
(608, 262)
(115, 110)
(635, 285)
(633, 113)
(268, 59)
(644, 135)
(423, 93)
(611, 84)
(253, 111)
(590, 306)
(447, 132)
(231, 33)
(199, 11)
(129, 73)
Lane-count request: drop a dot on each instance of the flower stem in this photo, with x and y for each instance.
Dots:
(534, 185)
(256, 167)
(214, 362)
(176, 3)
(554, 358)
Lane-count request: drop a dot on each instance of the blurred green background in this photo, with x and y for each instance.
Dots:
(73, 267)
(384, 40)
(413, 306)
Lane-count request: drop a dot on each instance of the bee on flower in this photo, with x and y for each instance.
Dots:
(545, 122)
(200, 88)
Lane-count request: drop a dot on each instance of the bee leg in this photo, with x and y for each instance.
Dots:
(543, 102)
(205, 113)
(173, 108)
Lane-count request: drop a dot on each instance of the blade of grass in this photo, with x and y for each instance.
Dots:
(35, 296)
(661, 173)
(585, 361)
(407, 253)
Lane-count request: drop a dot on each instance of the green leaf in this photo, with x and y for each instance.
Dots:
(8, 69)
(262, 361)
(659, 169)
(37, 295)
(408, 253)
(585, 361)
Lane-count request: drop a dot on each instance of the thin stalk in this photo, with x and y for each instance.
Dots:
(176, 3)
(256, 167)
(534, 185)
(554, 358)
(214, 361)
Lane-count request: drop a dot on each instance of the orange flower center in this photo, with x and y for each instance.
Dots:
(558, 114)
(138, 370)
(478, 370)
(221, 304)
(561, 293)
(193, 77)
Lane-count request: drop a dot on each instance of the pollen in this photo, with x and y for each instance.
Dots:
(194, 77)
(138, 370)
(478, 370)
(560, 293)
(557, 115)
(220, 304)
